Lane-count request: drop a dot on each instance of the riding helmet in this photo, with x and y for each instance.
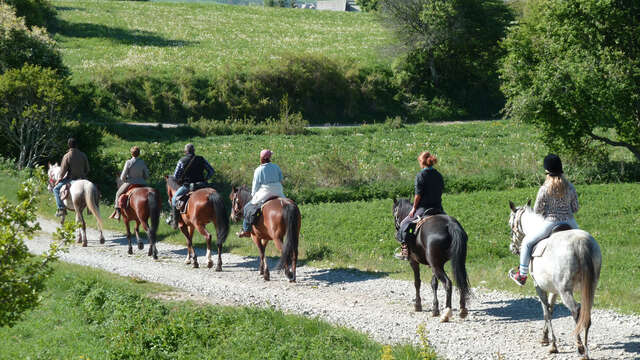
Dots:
(553, 165)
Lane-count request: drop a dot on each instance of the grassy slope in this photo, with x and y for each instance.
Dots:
(58, 328)
(360, 236)
(167, 38)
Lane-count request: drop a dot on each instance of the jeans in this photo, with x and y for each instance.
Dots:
(530, 240)
(245, 220)
(181, 191)
(121, 190)
(407, 219)
(56, 192)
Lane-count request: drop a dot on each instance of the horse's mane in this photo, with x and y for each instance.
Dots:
(171, 181)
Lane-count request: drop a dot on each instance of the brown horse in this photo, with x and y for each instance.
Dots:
(279, 217)
(144, 204)
(204, 206)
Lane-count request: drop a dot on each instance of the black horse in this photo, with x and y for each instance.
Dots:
(439, 239)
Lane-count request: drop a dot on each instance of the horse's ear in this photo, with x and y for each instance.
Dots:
(395, 200)
(529, 202)
(166, 177)
(233, 188)
(512, 206)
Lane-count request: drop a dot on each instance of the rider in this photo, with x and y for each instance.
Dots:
(557, 201)
(189, 170)
(135, 172)
(74, 166)
(267, 182)
(428, 194)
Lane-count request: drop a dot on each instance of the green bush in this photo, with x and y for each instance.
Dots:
(20, 45)
(34, 12)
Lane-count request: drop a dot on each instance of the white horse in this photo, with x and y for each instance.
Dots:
(83, 193)
(571, 259)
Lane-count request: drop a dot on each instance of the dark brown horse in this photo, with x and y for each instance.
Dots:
(439, 239)
(280, 217)
(144, 205)
(204, 206)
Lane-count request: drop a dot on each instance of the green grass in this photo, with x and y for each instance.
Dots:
(91, 314)
(168, 38)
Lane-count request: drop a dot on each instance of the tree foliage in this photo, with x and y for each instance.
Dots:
(22, 276)
(20, 45)
(34, 103)
(452, 50)
(573, 69)
(35, 12)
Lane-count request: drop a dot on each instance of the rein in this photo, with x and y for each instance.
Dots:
(516, 228)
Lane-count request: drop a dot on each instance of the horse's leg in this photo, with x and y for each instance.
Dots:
(83, 229)
(435, 309)
(140, 243)
(265, 264)
(127, 226)
(145, 227)
(190, 247)
(185, 231)
(546, 311)
(203, 230)
(416, 283)
(570, 302)
(442, 276)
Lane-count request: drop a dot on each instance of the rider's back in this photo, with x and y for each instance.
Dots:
(75, 164)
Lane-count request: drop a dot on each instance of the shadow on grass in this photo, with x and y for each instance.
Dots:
(120, 35)
(69, 8)
(630, 346)
(520, 310)
(151, 133)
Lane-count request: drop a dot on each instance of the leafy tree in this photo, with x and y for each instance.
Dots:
(573, 69)
(34, 12)
(452, 50)
(22, 276)
(20, 45)
(368, 5)
(34, 103)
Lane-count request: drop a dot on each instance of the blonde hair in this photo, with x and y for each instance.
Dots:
(557, 186)
(426, 159)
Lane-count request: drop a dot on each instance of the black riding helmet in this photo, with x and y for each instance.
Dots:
(553, 165)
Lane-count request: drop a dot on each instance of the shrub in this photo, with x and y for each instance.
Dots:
(20, 45)
(35, 12)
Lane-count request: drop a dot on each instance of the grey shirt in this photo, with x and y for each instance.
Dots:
(135, 172)
(556, 209)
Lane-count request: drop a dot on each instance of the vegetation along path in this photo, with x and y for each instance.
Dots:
(499, 326)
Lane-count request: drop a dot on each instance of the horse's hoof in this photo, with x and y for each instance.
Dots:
(219, 268)
(209, 264)
(187, 262)
(130, 251)
(435, 313)
(463, 313)
(417, 308)
(553, 349)
(196, 265)
(544, 342)
(150, 251)
(292, 280)
(155, 257)
(101, 240)
(140, 245)
(261, 272)
(581, 349)
(84, 244)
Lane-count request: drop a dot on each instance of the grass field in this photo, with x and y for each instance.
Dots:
(98, 37)
(91, 314)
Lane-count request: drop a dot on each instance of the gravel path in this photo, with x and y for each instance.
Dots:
(500, 325)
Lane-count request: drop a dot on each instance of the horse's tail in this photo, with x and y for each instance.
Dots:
(92, 199)
(458, 257)
(589, 278)
(222, 219)
(291, 214)
(153, 204)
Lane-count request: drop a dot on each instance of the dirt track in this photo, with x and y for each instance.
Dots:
(500, 325)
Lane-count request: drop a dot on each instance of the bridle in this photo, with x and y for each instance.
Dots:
(236, 206)
(517, 232)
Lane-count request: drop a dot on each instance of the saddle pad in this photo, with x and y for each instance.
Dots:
(65, 191)
(267, 200)
(538, 250)
(123, 200)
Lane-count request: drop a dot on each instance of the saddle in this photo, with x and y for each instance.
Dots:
(123, 200)
(538, 249)
(183, 201)
(254, 211)
(65, 191)
(408, 231)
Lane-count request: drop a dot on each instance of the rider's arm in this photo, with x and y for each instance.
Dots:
(541, 201)
(178, 172)
(255, 184)
(145, 172)
(209, 170)
(416, 202)
(125, 171)
(573, 195)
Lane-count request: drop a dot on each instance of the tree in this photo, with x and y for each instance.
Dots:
(34, 12)
(20, 45)
(573, 69)
(452, 50)
(22, 276)
(34, 103)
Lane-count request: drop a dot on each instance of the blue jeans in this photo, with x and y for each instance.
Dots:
(530, 240)
(56, 192)
(245, 221)
(181, 191)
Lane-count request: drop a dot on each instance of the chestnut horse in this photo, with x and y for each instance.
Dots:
(280, 217)
(204, 206)
(440, 239)
(144, 203)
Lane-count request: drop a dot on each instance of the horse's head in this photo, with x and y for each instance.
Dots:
(515, 223)
(239, 197)
(172, 186)
(401, 208)
(53, 173)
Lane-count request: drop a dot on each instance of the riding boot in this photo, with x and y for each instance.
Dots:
(116, 214)
(175, 217)
(404, 252)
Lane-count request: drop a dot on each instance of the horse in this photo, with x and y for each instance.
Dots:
(83, 193)
(144, 204)
(571, 259)
(439, 239)
(204, 206)
(280, 217)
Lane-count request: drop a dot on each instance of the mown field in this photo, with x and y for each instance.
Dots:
(91, 314)
(113, 37)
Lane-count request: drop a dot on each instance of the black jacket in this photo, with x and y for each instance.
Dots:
(429, 185)
(192, 173)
